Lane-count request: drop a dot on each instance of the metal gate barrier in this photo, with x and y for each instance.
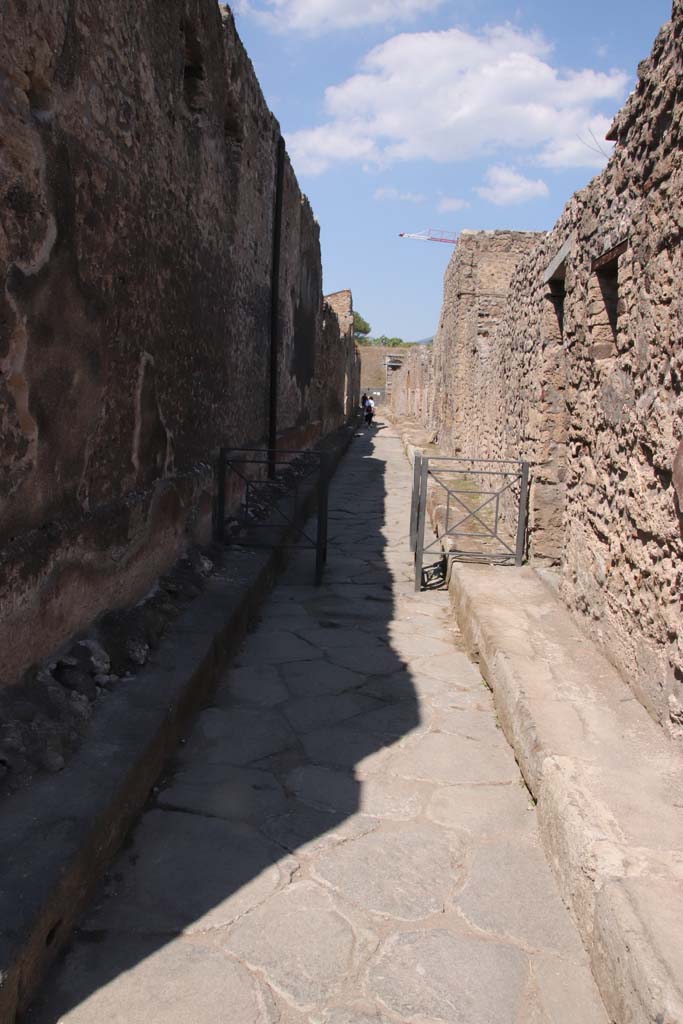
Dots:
(263, 492)
(472, 492)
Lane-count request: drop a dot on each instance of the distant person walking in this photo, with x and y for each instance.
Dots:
(369, 411)
(364, 402)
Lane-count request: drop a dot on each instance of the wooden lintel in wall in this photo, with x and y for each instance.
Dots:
(610, 255)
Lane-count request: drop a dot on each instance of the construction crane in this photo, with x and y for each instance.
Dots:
(432, 235)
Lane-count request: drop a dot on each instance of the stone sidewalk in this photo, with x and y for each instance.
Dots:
(345, 837)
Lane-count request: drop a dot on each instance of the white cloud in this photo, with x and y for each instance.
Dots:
(452, 95)
(507, 187)
(449, 204)
(395, 195)
(317, 16)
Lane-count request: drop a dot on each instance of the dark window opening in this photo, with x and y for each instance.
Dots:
(556, 295)
(604, 292)
(608, 280)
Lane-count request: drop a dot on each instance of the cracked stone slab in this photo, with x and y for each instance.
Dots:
(187, 873)
(282, 646)
(379, 797)
(344, 746)
(145, 980)
(260, 685)
(394, 721)
(371, 658)
(305, 830)
(315, 679)
(406, 874)
(299, 942)
(237, 736)
(566, 993)
(450, 978)
(454, 667)
(222, 791)
(510, 892)
(484, 811)
(309, 713)
(440, 758)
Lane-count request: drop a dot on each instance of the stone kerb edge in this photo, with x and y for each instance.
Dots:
(635, 984)
(58, 837)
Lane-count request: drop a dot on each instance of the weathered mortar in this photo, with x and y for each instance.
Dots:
(136, 235)
(582, 376)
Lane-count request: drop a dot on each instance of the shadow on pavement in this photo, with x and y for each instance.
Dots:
(273, 769)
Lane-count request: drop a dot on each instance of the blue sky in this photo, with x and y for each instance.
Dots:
(401, 115)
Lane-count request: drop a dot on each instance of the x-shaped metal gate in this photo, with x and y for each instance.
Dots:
(472, 492)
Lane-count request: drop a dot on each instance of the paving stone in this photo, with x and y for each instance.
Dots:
(410, 646)
(309, 713)
(236, 794)
(253, 685)
(316, 678)
(476, 725)
(349, 1015)
(371, 658)
(305, 830)
(343, 746)
(237, 736)
(339, 636)
(510, 892)
(282, 646)
(300, 943)
(440, 758)
(183, 872)
(152, 980)
(395, 720)
(339, 791)
(454, 667)
(407, 874)
(567, 993)
(484, 811)
(451, 978)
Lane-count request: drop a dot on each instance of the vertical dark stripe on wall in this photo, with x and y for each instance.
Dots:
(275, 305)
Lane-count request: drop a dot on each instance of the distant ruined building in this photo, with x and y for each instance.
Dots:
(565, 349)
(158, 261)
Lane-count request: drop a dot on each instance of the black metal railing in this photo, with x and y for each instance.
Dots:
(477, 493)
(264, 497)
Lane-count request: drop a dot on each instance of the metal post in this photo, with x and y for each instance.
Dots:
(420, 536)
(219, 526)
(522, 519)
(415, 500)
(275, 307)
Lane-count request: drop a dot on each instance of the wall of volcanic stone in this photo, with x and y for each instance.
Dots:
(582, 375)
(137, 196)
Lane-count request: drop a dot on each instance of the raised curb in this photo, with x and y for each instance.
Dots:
(607, 780)
(58, 837)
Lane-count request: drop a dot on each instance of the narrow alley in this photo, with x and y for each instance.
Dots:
(344, 837)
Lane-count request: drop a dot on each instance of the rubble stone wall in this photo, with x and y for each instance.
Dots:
(582, 376)
(137, 197)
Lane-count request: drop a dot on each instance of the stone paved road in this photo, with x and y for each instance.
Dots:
(345, 837)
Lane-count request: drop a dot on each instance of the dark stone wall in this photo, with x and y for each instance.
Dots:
(137, 180)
